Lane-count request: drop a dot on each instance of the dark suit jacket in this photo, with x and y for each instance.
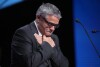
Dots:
(26, 52)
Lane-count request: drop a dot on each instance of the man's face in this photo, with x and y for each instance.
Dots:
(47, 25)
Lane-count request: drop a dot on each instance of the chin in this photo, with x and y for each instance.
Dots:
(48, 35)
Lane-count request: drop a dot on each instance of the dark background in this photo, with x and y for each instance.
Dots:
(23, 13)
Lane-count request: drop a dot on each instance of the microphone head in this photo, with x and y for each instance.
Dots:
(94, 31)
(77, 20)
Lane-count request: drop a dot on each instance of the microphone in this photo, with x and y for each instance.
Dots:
(77, 20)
(94, 31)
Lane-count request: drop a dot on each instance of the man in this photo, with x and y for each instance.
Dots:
(34, 45)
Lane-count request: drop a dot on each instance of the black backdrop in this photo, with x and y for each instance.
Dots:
(23, 13)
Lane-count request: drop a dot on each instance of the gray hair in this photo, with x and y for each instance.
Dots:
(48, 9)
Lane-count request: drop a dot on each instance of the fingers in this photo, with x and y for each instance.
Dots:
(36, 35)
(49, 40)
(38, 38)
(44, 38)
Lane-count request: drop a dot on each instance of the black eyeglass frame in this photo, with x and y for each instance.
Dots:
(51, 24)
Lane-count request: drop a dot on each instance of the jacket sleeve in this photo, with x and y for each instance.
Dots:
(22, 53)
(58, 59)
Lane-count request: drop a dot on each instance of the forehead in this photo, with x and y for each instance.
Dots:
(53, 19)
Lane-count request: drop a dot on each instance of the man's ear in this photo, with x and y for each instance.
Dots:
(37, 19)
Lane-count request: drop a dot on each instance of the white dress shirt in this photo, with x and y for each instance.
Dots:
(37, 28)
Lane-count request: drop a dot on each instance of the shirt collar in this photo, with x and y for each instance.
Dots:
(37, 28)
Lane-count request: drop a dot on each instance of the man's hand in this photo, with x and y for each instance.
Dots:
(40, 39)
(49, 40)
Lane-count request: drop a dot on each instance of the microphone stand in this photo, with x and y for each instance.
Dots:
(78, 21)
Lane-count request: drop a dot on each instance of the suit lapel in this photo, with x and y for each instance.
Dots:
(33, 30)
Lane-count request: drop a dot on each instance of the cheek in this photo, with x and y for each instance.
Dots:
(46, 27)
(43, 25)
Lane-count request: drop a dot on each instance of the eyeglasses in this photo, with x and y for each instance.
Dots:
(50, 23)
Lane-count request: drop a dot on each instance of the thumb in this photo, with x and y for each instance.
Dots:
(44, 37)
